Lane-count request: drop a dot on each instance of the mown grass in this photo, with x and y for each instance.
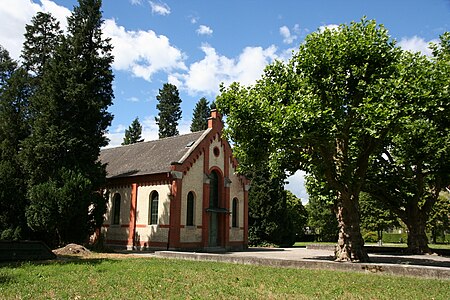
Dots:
(151, 278)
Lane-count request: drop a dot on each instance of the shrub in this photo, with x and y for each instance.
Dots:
(395, 237)
(370, 237)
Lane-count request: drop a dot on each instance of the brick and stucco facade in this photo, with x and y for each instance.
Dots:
(176, 193)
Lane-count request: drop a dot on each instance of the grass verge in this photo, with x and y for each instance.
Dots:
(151, 278)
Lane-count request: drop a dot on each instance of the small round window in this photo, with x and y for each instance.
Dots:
(216, 151)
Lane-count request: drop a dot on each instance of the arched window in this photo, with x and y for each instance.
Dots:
(190, 209)
(214, 190)
(153, 211)
(116, 209)
(234, 213)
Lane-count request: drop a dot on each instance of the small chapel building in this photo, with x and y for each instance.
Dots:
(176, 193)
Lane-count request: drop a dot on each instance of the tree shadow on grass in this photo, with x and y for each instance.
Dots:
(396, 260)
(7, 279)
(60, 260)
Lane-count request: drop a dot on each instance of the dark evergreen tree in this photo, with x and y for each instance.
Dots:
(269, 217)
(14, 93)
(375, 216)
(321, 210)
(133, 133)
(69, 121)
(169, 110)
(202, 112)
(42, 37)
(297, 213)
(7, 66)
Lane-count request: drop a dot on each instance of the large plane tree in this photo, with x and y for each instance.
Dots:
(327, 111)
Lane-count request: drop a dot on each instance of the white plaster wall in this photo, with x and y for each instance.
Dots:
(213, 160)
(114, 231)
(153, 233)
(192, 182)
(236, 191)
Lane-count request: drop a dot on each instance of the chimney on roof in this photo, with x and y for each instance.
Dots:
(215, 119)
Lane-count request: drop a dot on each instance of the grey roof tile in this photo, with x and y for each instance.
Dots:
(150, 157)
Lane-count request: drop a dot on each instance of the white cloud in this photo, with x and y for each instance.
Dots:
(296, 184)
(417, 44)
(330, 27)
(194, 20)
(160, 8)
(59, 12)
(150, 128)
(136, 2)
(120, 128)
(17, 14)
(133, 99)
(205, 76)
(149, 131)
(143, 53)
(288, 38)
(204, 30)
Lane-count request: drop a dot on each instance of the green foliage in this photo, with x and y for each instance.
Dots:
(297, 213)
(68, 120)
(375, 216)
(169, 110)
(326, 111)
(414, 165)
(42, 37)
(14, 93)
(202, 112)
(439, 218)
(320, 208)
(370, 237)
(395, 237)
(269, 216)
(133, 133)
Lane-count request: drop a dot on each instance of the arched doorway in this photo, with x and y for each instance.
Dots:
(213, 209)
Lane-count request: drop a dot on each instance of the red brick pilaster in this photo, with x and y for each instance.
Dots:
(226, 195)
(205, 202)
(132, 224)
(175, 208)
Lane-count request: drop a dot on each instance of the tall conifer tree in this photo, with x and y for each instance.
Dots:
(202, 112)
(133, 133)
(14, 93)
(169, 110)
(68, 131)
(42, 37)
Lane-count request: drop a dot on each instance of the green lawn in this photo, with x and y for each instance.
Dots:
(151, 278)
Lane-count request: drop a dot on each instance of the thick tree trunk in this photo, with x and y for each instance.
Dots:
(416, 222)
(350, 242)
(417, 238)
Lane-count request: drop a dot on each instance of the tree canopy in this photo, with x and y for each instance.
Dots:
(14, 93)
(202, 112)
(169, 110)
(326, 111)
(414, 165)
(68, 120)
(133, 133)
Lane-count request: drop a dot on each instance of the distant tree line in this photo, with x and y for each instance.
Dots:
(169, 107)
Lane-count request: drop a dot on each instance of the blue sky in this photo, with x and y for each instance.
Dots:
(196, 44)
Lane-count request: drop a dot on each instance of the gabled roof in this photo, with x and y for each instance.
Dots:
(150, 157)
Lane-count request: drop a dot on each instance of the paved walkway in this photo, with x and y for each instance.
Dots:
(432, 266)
